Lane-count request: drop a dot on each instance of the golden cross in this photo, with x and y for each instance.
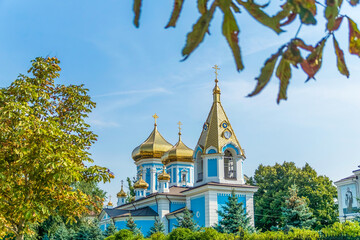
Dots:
(216, 68)
(141, 168)
(109, 198)
(155, 117)
(122, 183)
(179, 123)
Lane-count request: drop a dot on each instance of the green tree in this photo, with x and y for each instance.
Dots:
(296, 213)
(131, 195)
(186, 220)
(293, 53)
(110, 230)
(158, 227)
(89, 230)
(45, 143)
(233, 217)
(274, 182)
(132, 226)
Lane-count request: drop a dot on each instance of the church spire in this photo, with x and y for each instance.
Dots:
(179, 123)
(216, 90)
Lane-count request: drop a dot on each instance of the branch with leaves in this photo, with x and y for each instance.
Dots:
(289, 54)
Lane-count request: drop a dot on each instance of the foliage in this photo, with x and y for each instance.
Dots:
(158, 236)
(158, 227)
(131, 193)
(233, 216)
(110, 230)
(44, 147)
(296, 213)
(131, 225)
(180, 233)
(186, 220)
(291, 54)
(123, 234)
(337, 229)
(273, 183)
(88, 231)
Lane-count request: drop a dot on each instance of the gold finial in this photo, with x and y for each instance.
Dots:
(122, 183)
(140, 173)
(216, 73)
(179, 123)
(155, 117)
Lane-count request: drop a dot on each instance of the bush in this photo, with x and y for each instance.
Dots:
(124, 234)
(158, 236)
(181, 234)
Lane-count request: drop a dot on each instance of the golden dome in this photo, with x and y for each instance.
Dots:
(141, 184)
(122, 192)
(153, 147)
(110, 204)
(164, 175)
(178, 153)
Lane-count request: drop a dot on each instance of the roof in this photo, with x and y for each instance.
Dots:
(145, 211)
(347, 178)
(180, 210)
(217, 123)
(222, 185)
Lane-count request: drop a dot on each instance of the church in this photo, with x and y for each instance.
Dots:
(172, 177)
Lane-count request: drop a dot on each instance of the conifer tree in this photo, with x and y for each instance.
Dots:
(132, 226)
(296, 212)
(233, 217)
(110, 230)
(187, 221)
(158, 227)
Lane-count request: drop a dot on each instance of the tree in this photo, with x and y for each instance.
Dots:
(289, 54)
(89, 230)
(132, 226)
(274, 182)
(131, 195)
(158, 227)
(44, 141)
(186, 220)
(110, 230)
(296, 213)
(233, 217)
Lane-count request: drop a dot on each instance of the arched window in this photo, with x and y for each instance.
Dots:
(200, 166)
(229, 165)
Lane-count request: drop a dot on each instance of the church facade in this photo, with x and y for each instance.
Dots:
(172, 177)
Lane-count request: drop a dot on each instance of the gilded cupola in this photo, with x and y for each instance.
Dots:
(154, 146)
(164, 175)
(122, 192)
(141, 183)
(179, 152)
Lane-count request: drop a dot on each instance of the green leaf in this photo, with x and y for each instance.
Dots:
(340, 59)
(266, 73)
(306, 16)
(136, 9)
(331, 12)
(196, 36)
(176, 13)
(230, 30)
(255, 11)
(283, 72)
(354, 38)
(201, 5)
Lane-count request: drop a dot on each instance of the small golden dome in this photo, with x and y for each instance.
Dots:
(178, 153)
(121, 193)
(141, 184)
(164, 175)
(153, 147)
(110, 204)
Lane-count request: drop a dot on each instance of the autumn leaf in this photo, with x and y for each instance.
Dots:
(136, 9)
(230, 30)
(312, 63)
(283, 72)
(266, 73)
(300, 43)
(196, 36)
(255, 11)
(175, 14)
(354, 38)
(340, 59)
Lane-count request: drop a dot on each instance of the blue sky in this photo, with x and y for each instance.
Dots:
(134, 73)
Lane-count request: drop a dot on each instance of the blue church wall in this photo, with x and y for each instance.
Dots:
(222, 198)
(174, 175)
(103, 227)
(211, 151)
(198, 149)
(212, 167)
(120, 224)
(147, 179)
(154, 207)
(172, 223)
(230, 146)
(176, 205)
(198, 208)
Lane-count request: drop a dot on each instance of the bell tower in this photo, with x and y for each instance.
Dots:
(218, 156)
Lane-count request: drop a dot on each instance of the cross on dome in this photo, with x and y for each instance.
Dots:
(155, 118)
(216, 73)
